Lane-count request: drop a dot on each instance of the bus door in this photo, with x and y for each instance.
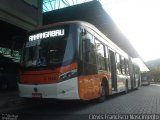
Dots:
(131, 72)
(113, 70)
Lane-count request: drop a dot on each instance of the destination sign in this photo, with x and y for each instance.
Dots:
(46, 34)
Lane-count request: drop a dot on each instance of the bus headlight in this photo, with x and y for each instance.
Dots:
(68, 75)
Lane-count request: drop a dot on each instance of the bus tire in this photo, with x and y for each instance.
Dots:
(103, 95)
(126, 87)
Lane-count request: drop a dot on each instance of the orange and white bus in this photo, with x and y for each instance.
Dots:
(73, 60)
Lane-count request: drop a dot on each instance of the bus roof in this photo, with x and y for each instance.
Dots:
(94, 13)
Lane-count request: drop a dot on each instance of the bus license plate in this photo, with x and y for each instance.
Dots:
(37, 95)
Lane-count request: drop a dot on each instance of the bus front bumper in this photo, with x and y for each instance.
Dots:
(63, 90)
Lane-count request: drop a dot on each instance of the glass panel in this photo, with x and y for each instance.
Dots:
(50, 51)
(56, 51)
(100, 55)
(123, 65)
(91, 54)
(106, 58)
(49, 5)
(118, 64)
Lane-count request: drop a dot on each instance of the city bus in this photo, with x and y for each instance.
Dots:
(73, 60)
(145, 78)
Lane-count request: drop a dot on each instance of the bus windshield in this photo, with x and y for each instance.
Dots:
(53, 50)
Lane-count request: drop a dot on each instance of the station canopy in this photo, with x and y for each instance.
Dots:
(49, 5)
(90, 11)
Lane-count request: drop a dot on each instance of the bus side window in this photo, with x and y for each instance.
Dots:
(107, 59)
(118, 64)
(100, 55)
(123, 65)
(126, 67)
(89, 54)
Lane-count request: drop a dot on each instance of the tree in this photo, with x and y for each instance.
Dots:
(155, 73)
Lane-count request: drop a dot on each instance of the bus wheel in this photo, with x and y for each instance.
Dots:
(102, 97)
(126, 87)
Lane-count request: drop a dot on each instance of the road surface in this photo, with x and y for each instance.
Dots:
(141, 103)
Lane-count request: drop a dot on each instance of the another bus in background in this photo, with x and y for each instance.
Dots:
(145, 79)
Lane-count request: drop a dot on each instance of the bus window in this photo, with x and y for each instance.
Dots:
(89, 54)
(91, 58)
(118, 63)
(32, 51)
(123, 65)
(107, 58)
(50, 51)
(126, 67)
(56, 51)
(100, 55)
